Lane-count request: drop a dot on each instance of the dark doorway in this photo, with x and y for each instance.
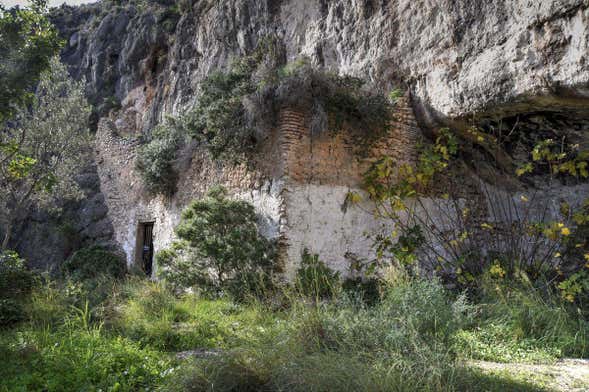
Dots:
(147, 248)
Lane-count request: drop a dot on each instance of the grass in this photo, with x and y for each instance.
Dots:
(419, 337)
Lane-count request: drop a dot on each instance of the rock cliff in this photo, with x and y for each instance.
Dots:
(458, 58)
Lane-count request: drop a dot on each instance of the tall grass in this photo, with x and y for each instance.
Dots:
(417, 337)
(521, 324)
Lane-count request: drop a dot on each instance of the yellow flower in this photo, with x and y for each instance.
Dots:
(497, 271)
(560, 225)
(486, 226)
(570, 297)
(587, 256)
(557, 254)
(565, 231)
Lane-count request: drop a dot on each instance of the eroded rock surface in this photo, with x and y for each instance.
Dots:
(457, 57)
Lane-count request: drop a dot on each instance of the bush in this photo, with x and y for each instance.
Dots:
(16, 284)
(368, 290)
(90, 263)
(11, 312)
(16, 280)
(155, 160)
(220, 248)
(315, 279)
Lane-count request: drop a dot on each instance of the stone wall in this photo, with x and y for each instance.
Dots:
(320, 172)
(129, 204)
(299, 184)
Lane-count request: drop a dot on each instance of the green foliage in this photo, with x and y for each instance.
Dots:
(154, 316)
(11, 312)
(236, 107)
(155, 160)
(519, 324)
(73, 359)
(220, 248)
(43, 150)
(93, 262)
(449, 231)
(368, 290)
(415, 338)
(220, 118)
(390, 183)
(315, 279)
(15, 279)
(27, 42)
(558, 159)
(16, 283)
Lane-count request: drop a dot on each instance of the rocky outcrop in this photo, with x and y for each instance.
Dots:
(458, 58)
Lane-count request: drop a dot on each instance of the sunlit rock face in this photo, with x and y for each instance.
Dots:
(457, 57)
(461, 62)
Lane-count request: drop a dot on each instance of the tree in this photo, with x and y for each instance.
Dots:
(27, 43)
(41, 151)
(220, 247)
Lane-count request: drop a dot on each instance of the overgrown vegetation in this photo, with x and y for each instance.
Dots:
(236, 109)
(27, 43)
(415, 337)
(42, 150)
(219, 248)
(93, 262)
(513, 234)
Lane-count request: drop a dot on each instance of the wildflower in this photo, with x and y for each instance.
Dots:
(565, 231)
(587, 256)
(497, 271)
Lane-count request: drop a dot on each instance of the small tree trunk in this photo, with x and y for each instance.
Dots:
(7, 235)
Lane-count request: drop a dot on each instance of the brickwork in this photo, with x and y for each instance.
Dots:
(333, 158)
(319, 171)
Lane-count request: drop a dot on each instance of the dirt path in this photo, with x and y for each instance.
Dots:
(564, 375)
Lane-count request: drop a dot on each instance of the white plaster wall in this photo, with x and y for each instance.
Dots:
(316, 220)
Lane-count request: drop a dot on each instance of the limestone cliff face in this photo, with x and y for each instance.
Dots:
(457, 57)
(459, 60)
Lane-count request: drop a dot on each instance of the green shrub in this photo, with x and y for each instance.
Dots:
(16, 281)
(155, 160)
(11, 312)
(220, 248)
(90, 263)
(315, 279)
(16, 284)
(367, 290)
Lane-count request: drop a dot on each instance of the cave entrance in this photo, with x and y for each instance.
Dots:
(145, 248)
